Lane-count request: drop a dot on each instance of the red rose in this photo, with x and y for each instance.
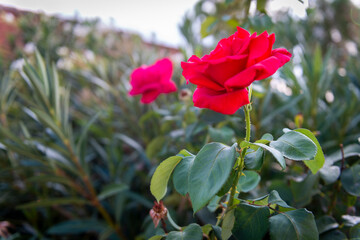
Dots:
(237, 61)
(150, 81)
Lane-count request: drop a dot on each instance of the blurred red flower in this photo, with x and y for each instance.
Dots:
(150, 81)
(237, 61)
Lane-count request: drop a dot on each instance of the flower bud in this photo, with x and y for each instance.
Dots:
(158, 212)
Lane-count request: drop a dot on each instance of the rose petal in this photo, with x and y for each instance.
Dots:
(169, 87)
(163, 68)
(258, 47)
(259, 70)
(203, 81)
(193, 68)
(149, 96)
(220, 101)
(224, 68)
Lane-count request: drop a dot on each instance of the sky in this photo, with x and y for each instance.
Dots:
(145, 17)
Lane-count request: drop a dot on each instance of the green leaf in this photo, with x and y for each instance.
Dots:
(227, 185)
(295, 225)
(214, 203)
(334, 235)
(295, 146)
(181, 175)
(224, 134)
(206, 229)
(77, 226)
(159, 180)
(274, 200)
(248, 181)
(319, 159)
(228, 224)
(251, 222)
(304, 190)
(155, 146)
(217, 232)
(326, 223)
(211, 168)
(255, 157)
(207, 26)
(261, 6)
(355, 232)
(278, 156)
(329, 174)
(350, 179)
(191, 232)
(254, 160)
(112, 189)
(53, 201)
(156, 238)
(185, 153)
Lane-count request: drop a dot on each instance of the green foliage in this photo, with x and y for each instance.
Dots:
(77, 152)
(251, 222)
(211, 168)
(296, 224)
(350, 179)
(159, 180)
(193, 231)
(248, 181)
(295, 146)
(314, 164)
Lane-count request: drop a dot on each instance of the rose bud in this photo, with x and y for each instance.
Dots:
(158, 212)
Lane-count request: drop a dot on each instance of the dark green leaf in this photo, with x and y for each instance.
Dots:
(155, 146)
(295, 146)
(159, 180)
(224, 134)
(296, 225)
(326, 223)
(274, 198)
(227, 185)
(304, 190)
(254, 159)
(278, 155)
(251, 222)
(350, 179)
(112, 189)
(191, 232)
(319, 159)
(214, 203)
(156, 238)
(248, 181)
(52, 202)
(355, 232)
(209, 172)
(181, 175)
(217, 232)
(334, 235)
(227, 225)
(77, 227)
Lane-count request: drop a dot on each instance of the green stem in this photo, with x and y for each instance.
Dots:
(239, 165)
(172, 222)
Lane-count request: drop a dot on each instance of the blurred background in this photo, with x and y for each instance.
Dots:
(77, 152)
